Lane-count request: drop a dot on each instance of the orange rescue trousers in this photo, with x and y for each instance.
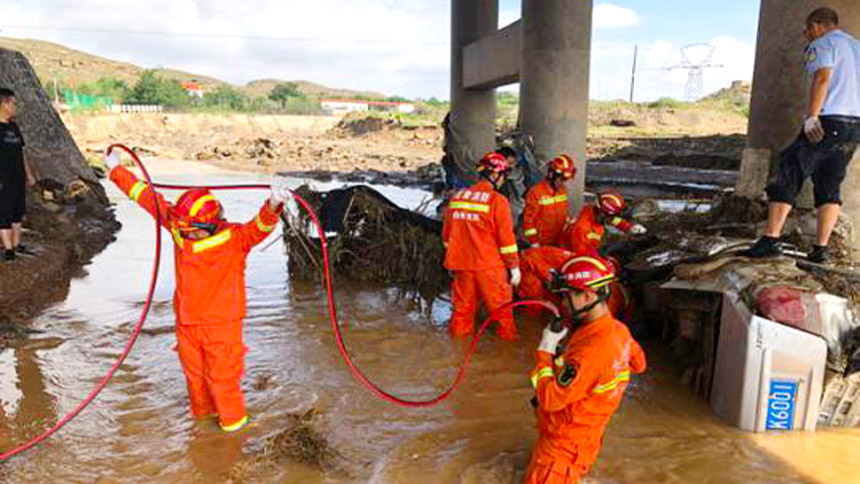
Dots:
(213, 360)
(561, 463)
(491, 286)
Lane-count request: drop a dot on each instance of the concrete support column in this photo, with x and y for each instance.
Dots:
(780, 92)
(554, 81)
(473, 111)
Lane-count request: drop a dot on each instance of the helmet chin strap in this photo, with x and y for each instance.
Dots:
(493, 180)
(578, 314)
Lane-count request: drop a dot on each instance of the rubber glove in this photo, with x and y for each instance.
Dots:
(516, 276)
(111, 160)
(550, 340)
(813, 129)
(638, 229)
(280, 191)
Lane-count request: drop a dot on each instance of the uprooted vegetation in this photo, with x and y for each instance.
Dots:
(299, 442)
(376, 241)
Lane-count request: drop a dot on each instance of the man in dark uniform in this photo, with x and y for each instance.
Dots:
(15, 177)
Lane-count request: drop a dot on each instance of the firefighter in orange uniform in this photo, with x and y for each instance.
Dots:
(546, 204)
(209, 300)
(481, 250)
(584, 235)
(579, 385)
(536, 265)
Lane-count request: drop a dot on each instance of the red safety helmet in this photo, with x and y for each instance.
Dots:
(493, 162)
(195, 208)
(584, 273)
(561, 167)
(611, 204)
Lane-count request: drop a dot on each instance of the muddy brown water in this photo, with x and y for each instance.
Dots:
(139, 429)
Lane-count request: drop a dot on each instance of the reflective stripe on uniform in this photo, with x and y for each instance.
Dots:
(593, 236)
(177, 238)
(263, 227)
(474, 207)
(612, 385)
(615, 221)
(198, 205)
(136, 190)
(211, 242)
(545, 372)
(530, 232)
(509, 249)
(553, 200)
(236, 426)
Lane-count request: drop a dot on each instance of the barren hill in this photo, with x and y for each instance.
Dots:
(73, 67)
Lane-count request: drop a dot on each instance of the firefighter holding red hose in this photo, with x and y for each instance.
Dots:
(579, 385)
(209, 301)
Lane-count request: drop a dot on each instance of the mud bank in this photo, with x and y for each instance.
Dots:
(65, 235)
(67, 219)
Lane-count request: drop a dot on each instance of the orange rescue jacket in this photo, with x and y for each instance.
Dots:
(545, 214)
(579, 391)
(478, 232)
(210, 273)
(586, 233)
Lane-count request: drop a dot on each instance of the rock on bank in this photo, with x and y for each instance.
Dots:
(68, 218)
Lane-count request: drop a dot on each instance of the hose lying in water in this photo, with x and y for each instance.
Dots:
(332, 307)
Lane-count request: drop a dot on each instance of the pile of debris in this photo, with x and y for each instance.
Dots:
(256, 149)
(690, 259)
(376, 241)
(352, 126)
(299, 442)
(718, 152)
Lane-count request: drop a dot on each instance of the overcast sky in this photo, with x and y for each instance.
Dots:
(393, 46)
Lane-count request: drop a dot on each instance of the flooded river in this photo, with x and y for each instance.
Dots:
(139, 429)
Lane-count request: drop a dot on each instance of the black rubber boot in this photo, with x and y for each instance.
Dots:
(819, 255)
(764, 247)
(10, 255)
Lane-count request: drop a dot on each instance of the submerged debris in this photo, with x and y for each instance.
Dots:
(376, 241)
(298, 442)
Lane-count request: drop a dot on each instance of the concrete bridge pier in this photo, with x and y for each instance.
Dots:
(780, 94)
(556, 55)
(473, 110)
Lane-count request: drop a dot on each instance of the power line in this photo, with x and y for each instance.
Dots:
(695, 70)
(270, 38)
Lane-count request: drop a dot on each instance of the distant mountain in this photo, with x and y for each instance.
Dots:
(73, 67)
(263, 87)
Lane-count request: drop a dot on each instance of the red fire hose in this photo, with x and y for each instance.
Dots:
(332, 307)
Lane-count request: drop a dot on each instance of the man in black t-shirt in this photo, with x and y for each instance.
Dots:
(15, 177)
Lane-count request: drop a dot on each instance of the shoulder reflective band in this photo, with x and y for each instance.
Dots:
(263, 227)
(545, 372)
(509, 249)
(199, 204)
(136, 190)
(177, 238)
(211, 242)
(530, 232)
(474, 207)
(612, 385)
